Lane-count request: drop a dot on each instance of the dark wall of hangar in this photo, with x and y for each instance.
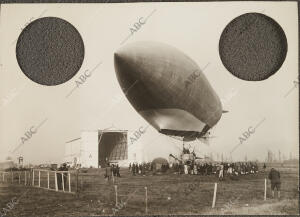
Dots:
(112, 147)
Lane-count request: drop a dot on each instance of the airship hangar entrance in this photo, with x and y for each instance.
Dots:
(112, 146)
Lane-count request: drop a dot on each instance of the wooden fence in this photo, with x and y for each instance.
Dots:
(60, 181)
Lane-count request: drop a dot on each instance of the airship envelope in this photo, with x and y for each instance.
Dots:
(168, 89)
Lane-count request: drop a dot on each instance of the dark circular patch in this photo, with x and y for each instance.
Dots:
(50, 51)
(253, 47)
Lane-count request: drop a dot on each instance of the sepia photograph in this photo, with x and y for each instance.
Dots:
(149, 108)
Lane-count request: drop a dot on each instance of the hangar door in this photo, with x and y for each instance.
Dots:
(112, 146)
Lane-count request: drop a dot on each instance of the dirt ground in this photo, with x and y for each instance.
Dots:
(166, 194)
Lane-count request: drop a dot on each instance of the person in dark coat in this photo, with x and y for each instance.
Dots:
(59, 179)
(136, 168)
(60, 175)
(65, 168)
(114, 170)
(133, 169)
(274, 176)
(118, 170)
(108, 172)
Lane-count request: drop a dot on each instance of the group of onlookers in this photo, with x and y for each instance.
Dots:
(140, 168)
(112, 170)
(221, 169)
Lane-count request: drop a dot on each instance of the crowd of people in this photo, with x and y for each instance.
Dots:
(204, 168)
(237, 168)
(140, 169)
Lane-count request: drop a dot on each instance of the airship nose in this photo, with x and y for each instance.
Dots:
(126, 69)
(129, 62)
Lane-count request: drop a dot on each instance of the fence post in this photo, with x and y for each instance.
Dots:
(146, 199)
(32, 177)
(265, 194)
(3, 176)
(19, 178)
(39, 178)
(81, 183)
(113, 178)
(12, 177)
(55, 175)
(69, 178)
(215, 194)
(63, 181)
(77, 171)
(48, 178)
(25, 178)
(116, 190)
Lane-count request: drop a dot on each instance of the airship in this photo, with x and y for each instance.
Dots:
(168, 89)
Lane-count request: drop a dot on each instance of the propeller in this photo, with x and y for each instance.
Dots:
(171, 155)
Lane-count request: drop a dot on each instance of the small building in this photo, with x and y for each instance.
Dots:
(7, 164)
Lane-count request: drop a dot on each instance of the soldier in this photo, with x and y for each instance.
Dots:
(274, 176)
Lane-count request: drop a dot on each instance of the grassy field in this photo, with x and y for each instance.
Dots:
(167, 194)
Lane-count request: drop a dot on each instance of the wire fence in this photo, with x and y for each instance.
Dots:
(136, 193)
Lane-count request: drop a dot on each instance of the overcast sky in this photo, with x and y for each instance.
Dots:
(193, 28)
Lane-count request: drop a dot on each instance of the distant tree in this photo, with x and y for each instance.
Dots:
(8, 158)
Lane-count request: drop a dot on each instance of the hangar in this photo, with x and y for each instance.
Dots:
(97, 148)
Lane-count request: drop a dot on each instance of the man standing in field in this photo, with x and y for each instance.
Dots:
(265, 167)
(274, 176)
(108, 172)
(221, 172)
